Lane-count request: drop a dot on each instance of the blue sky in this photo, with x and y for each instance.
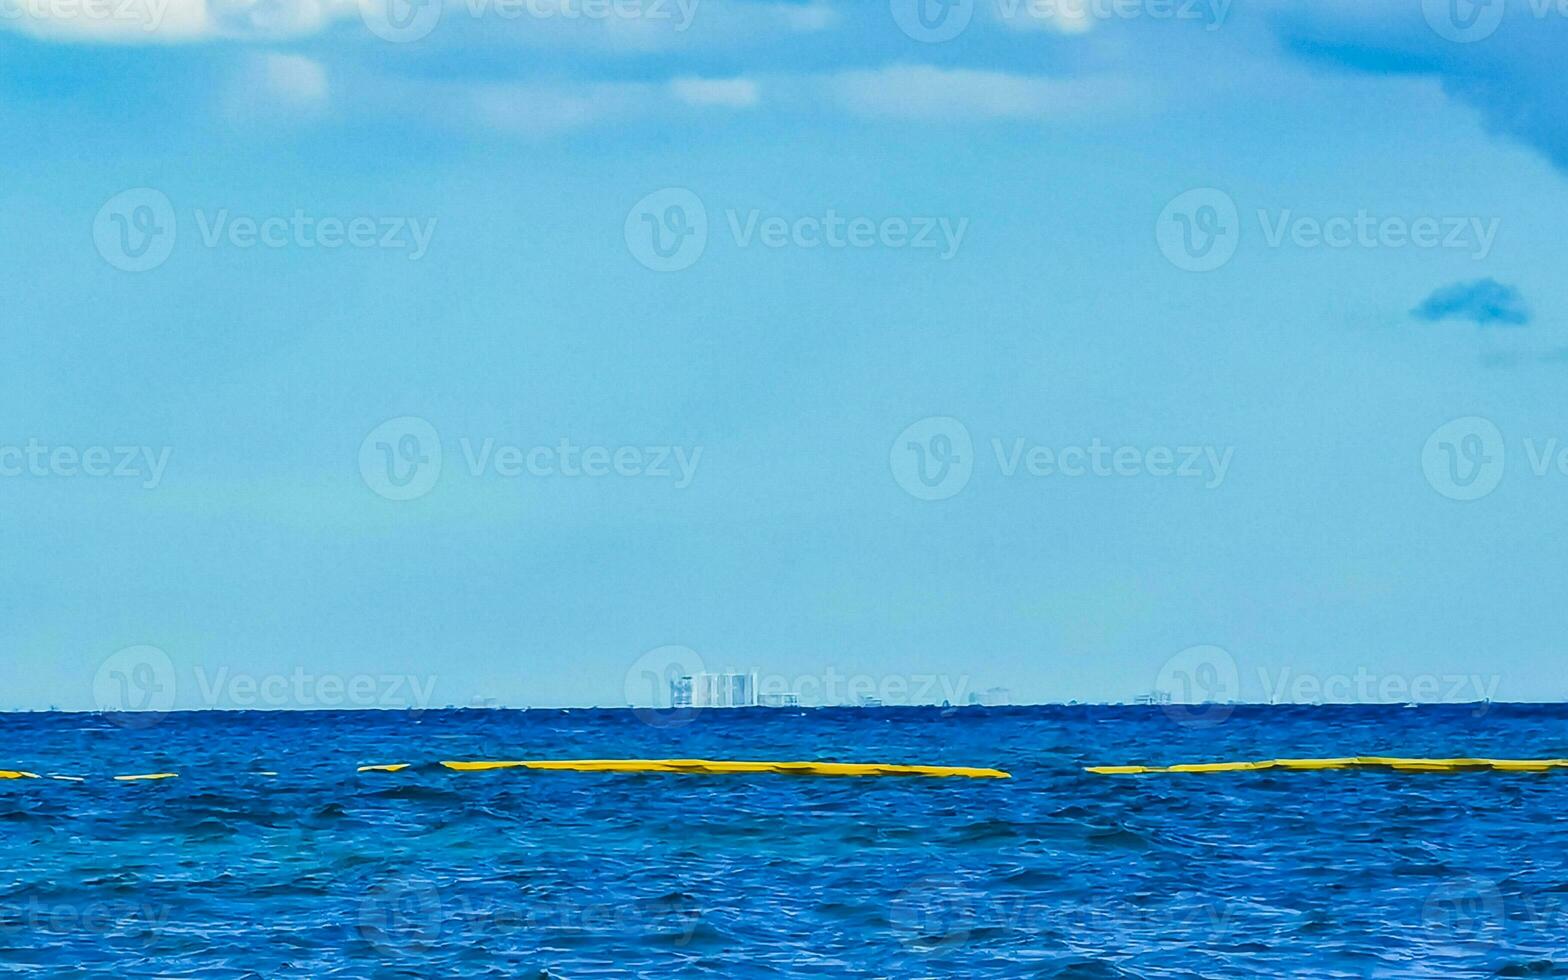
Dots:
(1300, 267)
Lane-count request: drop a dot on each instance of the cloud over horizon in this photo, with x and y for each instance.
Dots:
(1484, 302)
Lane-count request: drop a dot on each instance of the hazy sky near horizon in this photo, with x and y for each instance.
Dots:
(361, 356)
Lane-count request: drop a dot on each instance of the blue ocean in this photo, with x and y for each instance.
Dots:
(322, 871)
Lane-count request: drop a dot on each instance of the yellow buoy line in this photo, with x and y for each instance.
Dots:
(700, 766)
(713, 767)
(710, 766)
(1349, 762)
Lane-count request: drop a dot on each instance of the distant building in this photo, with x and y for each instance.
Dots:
(992, 696)
(779, 700)
(1158, 697)
(714, 691)
(870, 702)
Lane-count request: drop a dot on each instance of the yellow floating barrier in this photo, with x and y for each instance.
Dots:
(708, 766)
(1364, 761)
(17, 774)
(397, 767)
(146, 777)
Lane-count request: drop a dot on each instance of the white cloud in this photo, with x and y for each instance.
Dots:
(275, 19)
(536, 110)
(108, 21)
(1062, 16)
(294, 79)
(733, 93)
(616, 25)
(925, 92)
(271, 90)
(172, 21)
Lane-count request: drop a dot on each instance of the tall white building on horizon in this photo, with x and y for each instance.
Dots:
(731, 690)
